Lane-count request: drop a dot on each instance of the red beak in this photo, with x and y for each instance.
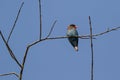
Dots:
(76, 27)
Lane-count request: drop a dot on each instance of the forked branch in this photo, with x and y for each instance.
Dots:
(11, 73)
(10, 51)
(6, 42)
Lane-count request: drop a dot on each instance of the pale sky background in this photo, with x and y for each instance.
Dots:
(56, 59)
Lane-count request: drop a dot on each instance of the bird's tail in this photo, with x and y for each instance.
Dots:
(76, 48)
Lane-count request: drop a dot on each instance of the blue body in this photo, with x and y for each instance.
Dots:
(73, 39)
(72, 32)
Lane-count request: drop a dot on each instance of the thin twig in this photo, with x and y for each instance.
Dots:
(53, 25)
(107, 31)
(40, 12)
(15, 22)
(10, 51)
(92, 52)
(11, 73)
(102, 33)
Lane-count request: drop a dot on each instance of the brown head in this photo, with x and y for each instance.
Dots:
(72, 26)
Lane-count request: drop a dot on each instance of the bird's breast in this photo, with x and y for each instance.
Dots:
(72, 33)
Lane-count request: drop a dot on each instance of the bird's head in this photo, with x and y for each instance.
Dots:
(72, 26)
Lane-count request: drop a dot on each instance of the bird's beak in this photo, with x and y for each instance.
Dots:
(76, 26)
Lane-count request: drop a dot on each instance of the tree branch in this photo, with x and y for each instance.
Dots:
(44, 39)
(107, 31)
(53, 38)
(10, 51)
(61, 37)
(92, 52)
(23, 62)
(40, 36)
(11, 73)
(82, 36)
(53, 25)
(6, 43)
(40, 12)
(15, 22)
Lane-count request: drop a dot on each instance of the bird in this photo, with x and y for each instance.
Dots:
(72, 35)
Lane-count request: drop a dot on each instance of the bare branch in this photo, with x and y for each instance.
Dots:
(40, 36)
(107, 31)
(92, 52)
(23, 62)
(82, 36)
(15, 22)
(11, 73)
(34, 43)
(10, 51)
(53, 38)
(53, 25)
(40, 12)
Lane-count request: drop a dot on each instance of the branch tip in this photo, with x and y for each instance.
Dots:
(11, 73)
(15, 22)
(52, 27)
(40, 16)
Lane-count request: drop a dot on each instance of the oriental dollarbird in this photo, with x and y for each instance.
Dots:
(73, 36)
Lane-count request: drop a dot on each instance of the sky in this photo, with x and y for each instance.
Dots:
(56, 59)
